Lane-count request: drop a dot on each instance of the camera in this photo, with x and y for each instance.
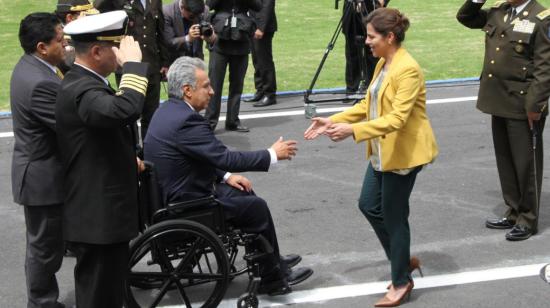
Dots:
(205, 28)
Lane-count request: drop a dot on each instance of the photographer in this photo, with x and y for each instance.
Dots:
(358, 60)
(186, 27)
(234, 29)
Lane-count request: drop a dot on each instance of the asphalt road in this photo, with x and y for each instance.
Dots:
(313, 199)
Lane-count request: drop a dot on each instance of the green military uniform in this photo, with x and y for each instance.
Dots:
(64, 8)
(515, 80)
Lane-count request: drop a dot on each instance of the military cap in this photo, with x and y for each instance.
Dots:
(110, 26)
(75, 6)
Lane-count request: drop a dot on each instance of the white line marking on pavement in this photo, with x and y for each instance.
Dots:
(319, 111)
(338, 109)
(363, 289)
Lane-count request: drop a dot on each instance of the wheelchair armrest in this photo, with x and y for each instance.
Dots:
(207, 211)
(192, 204)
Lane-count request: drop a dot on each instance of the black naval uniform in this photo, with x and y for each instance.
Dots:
(146, 25)
(100, 214)
(353, 27)
(262, 50)
(228, 52)
(515, 80)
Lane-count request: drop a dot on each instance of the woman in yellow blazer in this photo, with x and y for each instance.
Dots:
(392, 121)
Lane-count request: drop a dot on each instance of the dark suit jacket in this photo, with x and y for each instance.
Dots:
(146, 26)
(266, 20)
(96, 143)
(516, 70)
(37, 174)
(187, 155)
(229, 47)
(174, 33)
(354, 24)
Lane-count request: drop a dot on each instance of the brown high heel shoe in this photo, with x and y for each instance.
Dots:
(414, 264)
(386, 302)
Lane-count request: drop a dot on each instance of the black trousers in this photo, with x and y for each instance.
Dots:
(99, 274)
(152, 99)
(265, 79)
(217, 67)
(514, 156)
(45, 249)
(359, 61)
(251, 214)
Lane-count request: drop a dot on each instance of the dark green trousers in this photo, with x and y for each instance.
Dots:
(384, 201)
(514, 156)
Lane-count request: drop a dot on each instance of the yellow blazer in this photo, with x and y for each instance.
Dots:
(406, 136)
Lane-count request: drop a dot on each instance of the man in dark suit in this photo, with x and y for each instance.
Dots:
(146, 25)
(514, 90)
(360, 62)
(182, 29)
(97, 146)
(192, 163)
(37, 172)
(262, 55)
(233, 51)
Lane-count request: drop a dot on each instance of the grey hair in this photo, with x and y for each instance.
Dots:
(182, 72)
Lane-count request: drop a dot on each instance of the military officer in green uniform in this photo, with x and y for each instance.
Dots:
(67, 11)
(514, 90)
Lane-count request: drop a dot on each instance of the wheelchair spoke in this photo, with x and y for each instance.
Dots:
(191, 253)
(182, 294)
(210, 277)
(161, 293)
(148, 275)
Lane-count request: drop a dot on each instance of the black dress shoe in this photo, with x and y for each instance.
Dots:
(291, 260)
(256, 98)
(297, 275)
(272, 288)
(266, 101)
(238, 128)
(499, 223)
(519, 233)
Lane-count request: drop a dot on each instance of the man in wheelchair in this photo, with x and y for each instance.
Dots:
(192, 163)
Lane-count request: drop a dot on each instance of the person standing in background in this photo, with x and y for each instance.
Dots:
(262, 55)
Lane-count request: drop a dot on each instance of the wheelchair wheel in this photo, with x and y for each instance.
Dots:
(248, 301)
(175, 262)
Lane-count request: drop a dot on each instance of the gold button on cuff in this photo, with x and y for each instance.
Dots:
(502, 35)
(498, 48)
(520, 92)
(144, 45)
(144, 27)
(520, 41)
(492, 61)
(524, 68)
(490, 75)
(144, 35)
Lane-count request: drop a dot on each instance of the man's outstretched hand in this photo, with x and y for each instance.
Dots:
(284, 149)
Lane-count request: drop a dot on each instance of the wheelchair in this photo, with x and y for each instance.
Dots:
(186, 252)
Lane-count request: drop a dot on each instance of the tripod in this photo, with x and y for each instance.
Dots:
(352, 7)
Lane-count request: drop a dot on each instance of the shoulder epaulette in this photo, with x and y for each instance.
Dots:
(498, 4)
(542, 15)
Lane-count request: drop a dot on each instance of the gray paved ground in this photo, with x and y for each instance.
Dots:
(313, 200)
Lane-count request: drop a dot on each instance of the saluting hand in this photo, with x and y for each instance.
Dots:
(128, 51)
(285, 149)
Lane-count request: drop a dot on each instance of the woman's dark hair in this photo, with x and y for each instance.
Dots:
(386, 20)
(36, 28)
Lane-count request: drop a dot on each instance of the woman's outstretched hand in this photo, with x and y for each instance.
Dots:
(318, 127)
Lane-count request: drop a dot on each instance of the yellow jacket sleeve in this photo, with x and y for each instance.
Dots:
(407, 85)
